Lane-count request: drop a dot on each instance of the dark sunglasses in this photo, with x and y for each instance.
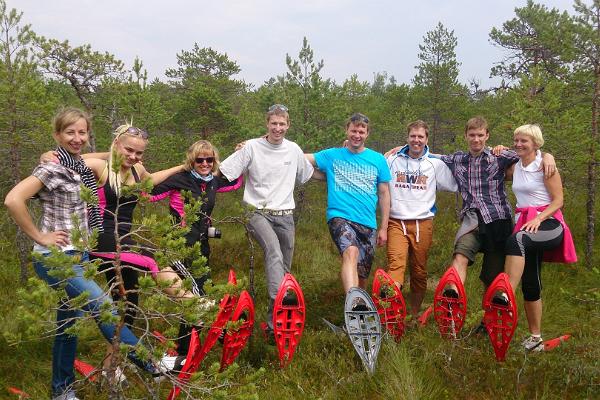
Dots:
(209, 160)
(278, 107)
(358, 117)
(133, 131)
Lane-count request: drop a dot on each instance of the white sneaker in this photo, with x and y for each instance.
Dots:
(119, 375)
(167, 363)
(206, 303)
(69, 395)
(533, 343)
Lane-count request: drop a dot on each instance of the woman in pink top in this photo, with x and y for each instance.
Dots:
(540, 232)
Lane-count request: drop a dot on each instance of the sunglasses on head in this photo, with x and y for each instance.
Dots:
(133, 131)
(209, 160)
(278, 107)
(359, 118)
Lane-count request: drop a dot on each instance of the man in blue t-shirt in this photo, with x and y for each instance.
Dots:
(357, 181)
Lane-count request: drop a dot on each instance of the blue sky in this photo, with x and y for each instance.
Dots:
(352, 37)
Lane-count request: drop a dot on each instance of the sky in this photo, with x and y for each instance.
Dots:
(351, 37)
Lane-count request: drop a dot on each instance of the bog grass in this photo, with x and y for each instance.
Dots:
(422, 366)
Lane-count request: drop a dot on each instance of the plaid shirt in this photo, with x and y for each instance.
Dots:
(481, 182)
(60, 198)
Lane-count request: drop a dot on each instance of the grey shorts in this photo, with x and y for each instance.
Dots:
(469, 245)
(347, 233)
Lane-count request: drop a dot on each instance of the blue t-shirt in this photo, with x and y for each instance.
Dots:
(352, 181)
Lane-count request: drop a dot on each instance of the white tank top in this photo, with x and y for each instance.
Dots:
(528, 184)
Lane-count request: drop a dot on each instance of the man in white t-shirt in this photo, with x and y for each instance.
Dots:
(272, 165)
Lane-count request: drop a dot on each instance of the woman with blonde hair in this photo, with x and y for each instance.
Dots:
(57, 185)
(202, 179)
(540, 232)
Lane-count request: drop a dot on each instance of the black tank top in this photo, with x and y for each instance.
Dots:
(106, 240)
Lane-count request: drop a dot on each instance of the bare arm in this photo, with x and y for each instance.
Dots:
(383, 199)
(548, 165)
(319, 175)
(16, 202)
(508, 174)
(311, 159)
(392, 151)
(101, 156)
(159, 176)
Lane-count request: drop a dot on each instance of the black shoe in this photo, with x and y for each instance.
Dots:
(480, 330)
(450, 293)
(268, 334)
(179, 363)
(360, 306)
(289, 299)
(500, 299)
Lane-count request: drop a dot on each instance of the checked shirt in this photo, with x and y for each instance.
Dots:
(480, 181)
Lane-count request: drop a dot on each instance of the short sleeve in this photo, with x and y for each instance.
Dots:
(383, 175)
(237, 163)
(305, 168)
(510, 157)
(165, 186)
(323, 159)
(47, 173)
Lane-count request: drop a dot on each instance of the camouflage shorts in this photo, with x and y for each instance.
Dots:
(347, 233)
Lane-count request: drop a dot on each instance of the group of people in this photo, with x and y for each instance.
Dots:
(402, 185)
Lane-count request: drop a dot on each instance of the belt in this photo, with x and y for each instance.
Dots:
(276, 212)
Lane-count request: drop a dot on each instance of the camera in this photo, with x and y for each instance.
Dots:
(214, 232)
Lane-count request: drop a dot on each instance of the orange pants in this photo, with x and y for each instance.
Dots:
(409, 240)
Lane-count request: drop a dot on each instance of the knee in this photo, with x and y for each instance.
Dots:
(460, 260)
(351, 253)
(531, 292)
(418, 282)
(513, 247)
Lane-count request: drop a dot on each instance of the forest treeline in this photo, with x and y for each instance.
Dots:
(550, 76)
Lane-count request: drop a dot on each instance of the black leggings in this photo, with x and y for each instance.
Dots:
(532, 246)
(185, 330)
(130, 283)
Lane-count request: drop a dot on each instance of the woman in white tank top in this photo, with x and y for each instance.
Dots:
(539, 226)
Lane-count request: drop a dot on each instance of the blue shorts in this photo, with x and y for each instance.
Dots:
(347, 233)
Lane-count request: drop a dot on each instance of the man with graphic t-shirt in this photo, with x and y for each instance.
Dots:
(417, 175)
(357, 181)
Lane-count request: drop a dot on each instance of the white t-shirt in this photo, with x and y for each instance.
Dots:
(271, 172)
(528, 184)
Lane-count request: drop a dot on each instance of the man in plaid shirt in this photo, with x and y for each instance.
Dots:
(486, 214)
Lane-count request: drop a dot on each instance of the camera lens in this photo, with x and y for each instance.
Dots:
(214, 232)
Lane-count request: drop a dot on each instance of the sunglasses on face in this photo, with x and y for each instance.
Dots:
(359, 118)
(209, 160)
(133, 131)
(278, 107)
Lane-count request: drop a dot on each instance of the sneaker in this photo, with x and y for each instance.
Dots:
(164, 367)
(268, 334)
(500, 299)
(533, 343)
(68, 395)
(119, 375)
(167, 363)
(480, 330)
(179, 363)
(359, 305)
(206, 304)
(289, 299)
(450, 293)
